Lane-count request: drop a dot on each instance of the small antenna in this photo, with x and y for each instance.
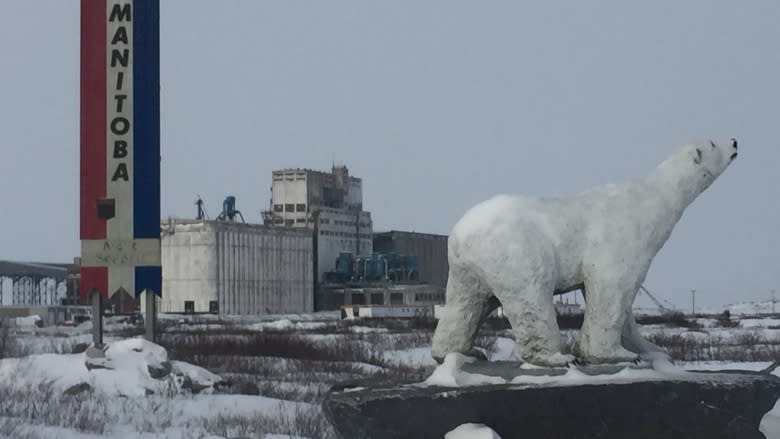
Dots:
(202, 215)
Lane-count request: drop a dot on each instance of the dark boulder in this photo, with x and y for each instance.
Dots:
(708, 405)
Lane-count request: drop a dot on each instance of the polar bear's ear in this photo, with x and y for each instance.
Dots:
(697, 159)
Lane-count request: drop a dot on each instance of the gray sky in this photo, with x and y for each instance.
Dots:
(437, 105)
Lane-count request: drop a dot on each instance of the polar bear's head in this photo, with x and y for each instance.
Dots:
(702, 163)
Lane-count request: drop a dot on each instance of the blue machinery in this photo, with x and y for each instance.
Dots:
(229, 211)
(376, 267)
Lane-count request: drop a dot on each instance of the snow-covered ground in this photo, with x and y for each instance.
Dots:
(266, 377)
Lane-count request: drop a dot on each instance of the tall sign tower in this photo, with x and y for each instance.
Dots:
(120, 153)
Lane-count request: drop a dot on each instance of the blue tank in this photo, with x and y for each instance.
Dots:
(374, 267)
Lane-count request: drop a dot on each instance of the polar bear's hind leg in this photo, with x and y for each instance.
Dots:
(468, 303)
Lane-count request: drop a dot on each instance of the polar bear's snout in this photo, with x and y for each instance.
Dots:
(734, 145)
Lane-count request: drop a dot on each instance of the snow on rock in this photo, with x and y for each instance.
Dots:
(128, 369)
(450, 374)
(770, 423)
(287, 325)
(728, 365)
(135, 350)
(503, 349)
(366, 329)
(195, 378)
(472, 431)
(27, 322)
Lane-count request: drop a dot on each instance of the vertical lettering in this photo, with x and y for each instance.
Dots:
(119, 100)
(120, 12)
(120, 36)
(121, 173)
(120, 149)
(122, 57)
(120, 126)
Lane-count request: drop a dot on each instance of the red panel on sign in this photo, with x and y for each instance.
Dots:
(93, 278)
(93, 117)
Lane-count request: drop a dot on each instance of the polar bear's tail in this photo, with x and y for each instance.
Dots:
(453, 249)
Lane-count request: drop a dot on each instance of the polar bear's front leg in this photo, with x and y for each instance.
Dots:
(609, 299)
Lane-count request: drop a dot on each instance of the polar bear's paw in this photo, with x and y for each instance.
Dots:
(476, 353)
(619, 355)
(553, 360)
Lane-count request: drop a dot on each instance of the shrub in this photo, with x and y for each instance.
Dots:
(3, 340)
(724, 320)
(301, 422)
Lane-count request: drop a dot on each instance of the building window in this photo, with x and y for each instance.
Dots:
(289, 208)
(189, 306)
(377, 299)
(213, 307)
(300, 220)
(288, 222)
(278, 208)
(278, 221)
(300, 207)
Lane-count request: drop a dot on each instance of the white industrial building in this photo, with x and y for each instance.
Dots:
(330, 204)
(235, 268)
(33, 283)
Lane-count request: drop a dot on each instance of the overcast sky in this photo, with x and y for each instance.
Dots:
(437, 105)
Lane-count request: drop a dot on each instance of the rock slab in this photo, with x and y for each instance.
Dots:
(707, 405)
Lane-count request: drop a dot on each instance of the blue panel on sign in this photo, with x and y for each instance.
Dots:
(148, 278)
(146, 117)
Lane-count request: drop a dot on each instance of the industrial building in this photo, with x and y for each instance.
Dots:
(49, 315)
(315, 250)
(430, 250)
(329, 204)
(389, 294)
(35, 283)
(235, 268)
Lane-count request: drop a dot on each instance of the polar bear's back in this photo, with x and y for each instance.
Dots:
(504, 219)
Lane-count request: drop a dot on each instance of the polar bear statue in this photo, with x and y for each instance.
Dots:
(520, 251)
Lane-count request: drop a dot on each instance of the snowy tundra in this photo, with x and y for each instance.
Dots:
(522, 250)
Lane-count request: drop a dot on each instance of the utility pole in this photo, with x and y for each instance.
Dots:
(773, 300)
(693, 303)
